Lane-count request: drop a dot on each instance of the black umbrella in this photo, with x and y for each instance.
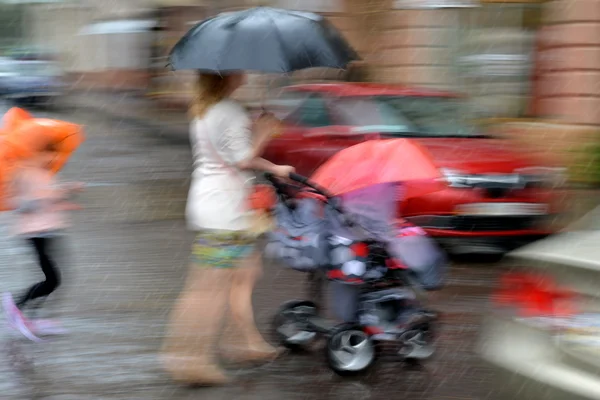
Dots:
(262, 39)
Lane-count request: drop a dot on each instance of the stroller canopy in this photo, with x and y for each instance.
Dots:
(381, 161)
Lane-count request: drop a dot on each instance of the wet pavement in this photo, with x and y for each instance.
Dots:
(128, 251)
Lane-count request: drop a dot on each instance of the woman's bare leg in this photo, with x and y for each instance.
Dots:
(196, 319)
(249, 343)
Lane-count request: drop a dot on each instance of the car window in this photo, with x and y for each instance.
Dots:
(432, 115)
(285, 103)
(368, 112)
(312, 113)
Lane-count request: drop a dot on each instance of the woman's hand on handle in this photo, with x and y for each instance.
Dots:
(260, 164)
(283, 171)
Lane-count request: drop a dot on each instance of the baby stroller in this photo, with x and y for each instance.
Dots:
(377, 270)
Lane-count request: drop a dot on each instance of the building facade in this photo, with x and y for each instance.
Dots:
(512, 58)
(569, 62)
(109, 59)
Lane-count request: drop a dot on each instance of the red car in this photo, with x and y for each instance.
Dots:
(496, 198)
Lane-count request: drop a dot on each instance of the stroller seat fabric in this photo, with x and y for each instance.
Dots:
(363, 243)
(300, 241)
(386, 309)
(349, 262)
(420, 254)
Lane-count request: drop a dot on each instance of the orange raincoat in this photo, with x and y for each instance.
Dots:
(22, 136)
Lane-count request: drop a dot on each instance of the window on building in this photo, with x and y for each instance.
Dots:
(496, 56)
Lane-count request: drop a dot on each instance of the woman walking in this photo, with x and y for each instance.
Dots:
(225, 261)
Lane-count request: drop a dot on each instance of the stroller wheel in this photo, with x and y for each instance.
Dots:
(349, 350)
(418, 343)
(290, 325)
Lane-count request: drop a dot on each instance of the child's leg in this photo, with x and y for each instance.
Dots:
(43, 249)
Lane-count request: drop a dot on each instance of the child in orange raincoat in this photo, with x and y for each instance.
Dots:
(40, 204)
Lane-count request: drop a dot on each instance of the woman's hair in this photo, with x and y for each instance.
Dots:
(209, 90)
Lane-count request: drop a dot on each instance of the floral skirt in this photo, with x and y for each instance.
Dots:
(222, 249)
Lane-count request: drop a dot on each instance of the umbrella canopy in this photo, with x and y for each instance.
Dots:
(381, 161)
(262, 39)
(23, 135)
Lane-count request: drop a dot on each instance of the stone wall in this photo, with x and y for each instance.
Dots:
(175, 87)
(560, 144)
(57, 29)
(110, 61)
(414, 47)
(406, 45)
(396, 46)
(111, 79)
(570, 62)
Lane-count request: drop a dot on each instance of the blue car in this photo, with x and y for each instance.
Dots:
(31, 81)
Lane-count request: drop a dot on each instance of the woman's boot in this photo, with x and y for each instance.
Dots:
(188, 350)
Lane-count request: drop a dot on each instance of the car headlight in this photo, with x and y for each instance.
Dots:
(547, 176)
(455, 178)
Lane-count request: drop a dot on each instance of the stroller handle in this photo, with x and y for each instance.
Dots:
(303, 180)
(300, 178)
